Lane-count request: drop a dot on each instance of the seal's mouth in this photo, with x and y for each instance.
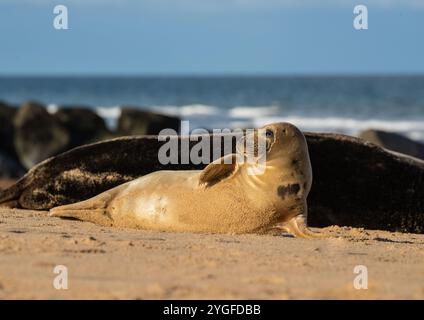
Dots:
(256, 144)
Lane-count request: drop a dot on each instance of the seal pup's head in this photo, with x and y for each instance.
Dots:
(274, 143)
(271, 150)
(281, 167)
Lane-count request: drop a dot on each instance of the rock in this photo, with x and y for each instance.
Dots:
(355, 183)
(83, 124)
(138, 122)
(9, 167)
(394, 141)
(7, 113)
(38, 134)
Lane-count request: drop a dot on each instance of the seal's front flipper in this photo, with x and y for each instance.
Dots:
(219, 170)
(297, 227)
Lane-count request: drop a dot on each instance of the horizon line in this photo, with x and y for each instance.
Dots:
(212, 75)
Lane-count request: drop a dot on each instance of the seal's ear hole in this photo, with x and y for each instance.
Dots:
(219, 170)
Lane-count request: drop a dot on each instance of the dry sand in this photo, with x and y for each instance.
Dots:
(119, 264)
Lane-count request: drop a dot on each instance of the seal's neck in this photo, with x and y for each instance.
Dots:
(263, 174)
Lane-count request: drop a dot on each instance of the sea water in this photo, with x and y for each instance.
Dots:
(345, 104)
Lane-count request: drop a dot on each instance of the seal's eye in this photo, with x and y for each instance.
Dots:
(269, 133)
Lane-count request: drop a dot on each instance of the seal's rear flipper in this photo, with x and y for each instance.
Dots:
(9, 197)
(12, 204)
(85, 211)
(96, 216)
(93, 210)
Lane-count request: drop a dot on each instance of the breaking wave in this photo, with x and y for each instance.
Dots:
(211, 117)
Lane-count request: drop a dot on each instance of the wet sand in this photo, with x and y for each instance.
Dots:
(110, 263)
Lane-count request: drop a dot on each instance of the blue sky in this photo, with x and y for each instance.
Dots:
(130, 37)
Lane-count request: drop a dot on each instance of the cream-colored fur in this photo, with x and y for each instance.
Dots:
(222, 198)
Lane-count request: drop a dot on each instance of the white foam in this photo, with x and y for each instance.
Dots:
(109, 112)
(414, 128)
(52, 108)
(246, 112)
(212, 117)
(347, 123)
(110, 115)
(187, 110)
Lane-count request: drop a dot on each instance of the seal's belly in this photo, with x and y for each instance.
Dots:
(154, 199)
(174, 201)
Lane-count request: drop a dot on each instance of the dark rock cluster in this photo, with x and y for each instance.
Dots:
(30, 134)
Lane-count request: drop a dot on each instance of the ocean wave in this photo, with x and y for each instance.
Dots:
(347, 123)
(109, 112)
(212, 117)
(250, 112)
(110, 115)
(52, 108)
(413, 128)
(188, 110)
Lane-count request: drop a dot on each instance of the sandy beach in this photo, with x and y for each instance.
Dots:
(110, 263)
(199, 123)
